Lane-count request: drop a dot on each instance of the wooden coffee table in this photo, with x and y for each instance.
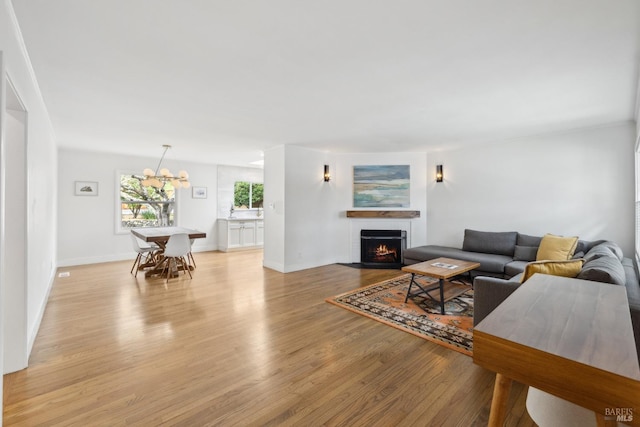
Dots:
(442, 269)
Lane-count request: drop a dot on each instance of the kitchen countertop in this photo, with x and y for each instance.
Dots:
(242, 219)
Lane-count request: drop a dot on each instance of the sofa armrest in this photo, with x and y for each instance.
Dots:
(488, 293)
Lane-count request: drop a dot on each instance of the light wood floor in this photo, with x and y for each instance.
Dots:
(236, 345)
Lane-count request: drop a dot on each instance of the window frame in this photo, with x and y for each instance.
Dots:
(637, 198)
(250, 207)
(119, 229)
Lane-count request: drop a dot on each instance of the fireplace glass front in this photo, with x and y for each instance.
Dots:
(382, 248)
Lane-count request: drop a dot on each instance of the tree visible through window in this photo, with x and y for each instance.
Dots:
(248, 195)
(142, 206)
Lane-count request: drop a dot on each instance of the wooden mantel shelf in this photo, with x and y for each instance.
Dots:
(383, 214)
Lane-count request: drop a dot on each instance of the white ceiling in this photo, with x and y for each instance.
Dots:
(218, 79)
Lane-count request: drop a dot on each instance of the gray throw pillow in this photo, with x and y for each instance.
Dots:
(526, 240)
(525, 253)
(604, 249)
(583, 246)
(605, 269)
(578, 255)
(614, 248)
(488, 242)
(588, 245)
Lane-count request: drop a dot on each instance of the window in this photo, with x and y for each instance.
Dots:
(637, 172)
(247, 195)
(141, 206)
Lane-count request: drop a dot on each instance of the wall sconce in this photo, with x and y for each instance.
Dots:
(327, 174)
(439, 173)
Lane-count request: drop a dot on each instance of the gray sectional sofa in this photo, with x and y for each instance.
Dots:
(504, 255)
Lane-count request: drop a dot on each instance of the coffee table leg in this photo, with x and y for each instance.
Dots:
(413, 276)
(441, 296)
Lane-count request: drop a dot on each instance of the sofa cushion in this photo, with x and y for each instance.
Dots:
(526, 247)
(584, 245)
(425, 253)
(526, 240)
(489, 242)
(632, 282)
(606, 269)
(556, 248)
(490, 263)
(597, 252)
(614, 248)
(565, 268)
(633, 295)
(525, 253)
(604, 249)
(514, 268)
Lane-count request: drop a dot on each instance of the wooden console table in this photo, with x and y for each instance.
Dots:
(568, 337)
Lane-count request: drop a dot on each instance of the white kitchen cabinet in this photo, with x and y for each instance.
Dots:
(259, 232)
(238, 234)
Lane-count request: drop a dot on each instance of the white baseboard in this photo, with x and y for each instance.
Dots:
(31, 339)
(95, 259)
(117, 257)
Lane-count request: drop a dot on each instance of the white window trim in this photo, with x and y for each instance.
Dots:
(250, 197)
(637, 199)
(117, 202)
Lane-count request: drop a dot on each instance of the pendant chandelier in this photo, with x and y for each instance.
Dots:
(153, 179)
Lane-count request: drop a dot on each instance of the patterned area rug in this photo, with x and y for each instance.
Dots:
(419, 316)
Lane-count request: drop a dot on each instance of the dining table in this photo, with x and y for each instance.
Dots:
(160, 236)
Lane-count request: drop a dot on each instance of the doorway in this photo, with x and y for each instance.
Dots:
(13, 215)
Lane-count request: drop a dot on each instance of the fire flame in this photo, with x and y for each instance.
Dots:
(384, 250)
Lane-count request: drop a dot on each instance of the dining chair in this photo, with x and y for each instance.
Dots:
(190, 255)
(143, 250)
(177, 249)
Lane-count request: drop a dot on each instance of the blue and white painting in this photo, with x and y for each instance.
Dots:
(381, 186)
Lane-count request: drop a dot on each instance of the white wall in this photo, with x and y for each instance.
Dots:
(87, 225)
(579, 183)
(305, 218)
(298, 210)
(40, 198)
(310, 210)
(350, 227)
(274, 215)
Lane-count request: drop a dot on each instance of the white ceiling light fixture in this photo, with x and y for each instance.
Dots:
(153, 179)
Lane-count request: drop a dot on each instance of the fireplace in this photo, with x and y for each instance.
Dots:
(382, 248)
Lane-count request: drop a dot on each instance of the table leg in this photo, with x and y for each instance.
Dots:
(441, 283)
(413, 276)
(501, 391)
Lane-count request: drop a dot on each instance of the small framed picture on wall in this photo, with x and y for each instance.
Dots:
(86, 188)
(199, 192)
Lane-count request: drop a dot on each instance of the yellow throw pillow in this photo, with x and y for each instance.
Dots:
(556, 248)
(567, 268)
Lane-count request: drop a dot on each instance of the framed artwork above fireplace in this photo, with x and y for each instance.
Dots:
(381, 186)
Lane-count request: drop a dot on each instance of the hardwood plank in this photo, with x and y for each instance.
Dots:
(238, 344)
